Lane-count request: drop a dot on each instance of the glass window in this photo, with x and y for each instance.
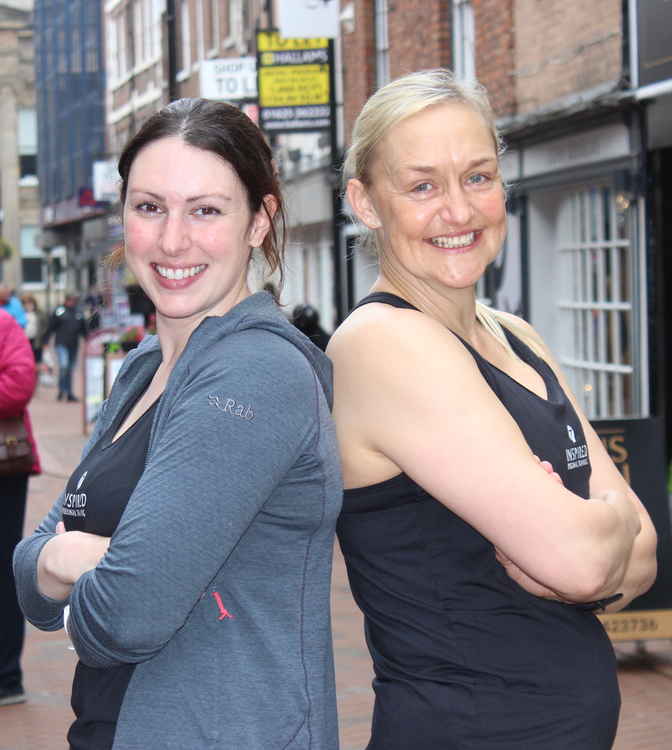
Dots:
(464, 64)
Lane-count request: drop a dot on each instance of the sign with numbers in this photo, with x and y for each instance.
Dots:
(636, 446)
(294, 82)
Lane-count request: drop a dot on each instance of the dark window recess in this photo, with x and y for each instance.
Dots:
(32, 270)
(28, 165)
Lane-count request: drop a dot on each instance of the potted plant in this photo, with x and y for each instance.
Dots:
(5, 250)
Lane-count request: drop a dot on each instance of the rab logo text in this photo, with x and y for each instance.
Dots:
(570, 432)
(231, 406)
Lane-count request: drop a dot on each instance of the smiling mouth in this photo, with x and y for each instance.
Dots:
(454, 241)
(178, 273)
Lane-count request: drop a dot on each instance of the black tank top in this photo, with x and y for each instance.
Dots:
(465, 658)
(95, 498)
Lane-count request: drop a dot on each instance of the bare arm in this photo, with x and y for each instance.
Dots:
(641, 566)
(409, 397)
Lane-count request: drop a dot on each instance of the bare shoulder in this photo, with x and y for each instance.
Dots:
(391, 342)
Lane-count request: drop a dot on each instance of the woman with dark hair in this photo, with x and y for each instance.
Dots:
(193, 542)
(479, 569)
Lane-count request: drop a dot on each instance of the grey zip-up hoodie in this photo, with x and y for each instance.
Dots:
(216, 583)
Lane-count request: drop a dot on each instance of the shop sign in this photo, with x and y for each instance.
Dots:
(637, 448)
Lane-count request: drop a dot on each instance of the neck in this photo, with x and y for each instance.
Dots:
(174, 333)
(453, 308)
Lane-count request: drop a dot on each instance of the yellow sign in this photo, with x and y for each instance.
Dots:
(638, 625)
(271, 41)
(293, 85)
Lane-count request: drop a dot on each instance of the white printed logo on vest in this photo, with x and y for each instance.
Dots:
(577, 455)
(74, 503)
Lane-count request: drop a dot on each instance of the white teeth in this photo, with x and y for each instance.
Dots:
(179, 273)
(450, 243)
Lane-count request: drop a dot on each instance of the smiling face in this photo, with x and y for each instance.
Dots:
(435, 198)
(188, 230)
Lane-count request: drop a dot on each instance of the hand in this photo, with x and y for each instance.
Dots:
(66, 557)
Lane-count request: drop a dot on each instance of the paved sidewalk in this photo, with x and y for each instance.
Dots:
(42, 722)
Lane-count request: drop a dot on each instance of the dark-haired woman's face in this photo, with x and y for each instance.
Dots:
(188, 230)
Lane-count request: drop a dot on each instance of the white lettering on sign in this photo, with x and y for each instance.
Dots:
(229, 79)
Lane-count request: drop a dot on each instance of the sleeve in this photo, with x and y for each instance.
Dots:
(233, 433)
(52, 325)
(17, 369)
(42, 611)
(18, 312)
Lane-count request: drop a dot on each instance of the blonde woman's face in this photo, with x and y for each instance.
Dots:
(435, 197)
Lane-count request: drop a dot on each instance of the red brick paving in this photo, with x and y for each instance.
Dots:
(42, 722)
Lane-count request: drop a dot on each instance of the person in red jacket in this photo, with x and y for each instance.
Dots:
(17, 383)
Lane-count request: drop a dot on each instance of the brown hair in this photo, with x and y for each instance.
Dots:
(227, 132)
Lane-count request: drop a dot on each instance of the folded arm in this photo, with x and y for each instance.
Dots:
(416, 397)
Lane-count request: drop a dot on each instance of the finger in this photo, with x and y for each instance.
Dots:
(547, 466)
(60, 527)
(557, 477)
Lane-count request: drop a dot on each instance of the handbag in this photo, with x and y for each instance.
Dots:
(16, 452)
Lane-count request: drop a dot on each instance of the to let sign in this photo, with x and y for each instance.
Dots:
(294, 83)
(230, 79)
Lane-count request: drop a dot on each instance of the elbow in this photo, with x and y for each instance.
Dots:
(594, 579)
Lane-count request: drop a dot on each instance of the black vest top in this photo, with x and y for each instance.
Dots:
(463, 656)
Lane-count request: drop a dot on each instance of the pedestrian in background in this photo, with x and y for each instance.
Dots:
(197, 532)
(17, 383)
(10, 303)
(36, 326)
(67, 325)
(307, 319)
(479, 573)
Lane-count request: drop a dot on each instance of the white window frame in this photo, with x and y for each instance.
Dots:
(212, 10)
(382, 38)
(112, 49)
(597, 310)
(200, 31)
(464, 41)
(185, 41)
(236, 31)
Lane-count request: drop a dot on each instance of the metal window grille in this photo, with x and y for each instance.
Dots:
(595, 305)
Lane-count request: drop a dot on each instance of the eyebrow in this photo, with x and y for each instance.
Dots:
(191, 199)
(423, 169)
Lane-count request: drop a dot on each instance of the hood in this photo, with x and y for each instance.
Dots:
(259, 311)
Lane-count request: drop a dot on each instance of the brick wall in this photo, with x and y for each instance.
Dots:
(564, 47)
(359, 61)
(495, 52)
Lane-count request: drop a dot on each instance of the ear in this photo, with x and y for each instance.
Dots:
(261, 221)
(360, 200)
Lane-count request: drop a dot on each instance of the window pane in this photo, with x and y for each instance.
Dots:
(32, 270)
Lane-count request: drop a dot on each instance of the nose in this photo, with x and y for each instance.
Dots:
(174, 237)
(457, 208)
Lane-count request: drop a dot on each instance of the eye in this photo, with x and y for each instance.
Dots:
(207, 211)
(147, 207)
(423, 187)
(479, 179)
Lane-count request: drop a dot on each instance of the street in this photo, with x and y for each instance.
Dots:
(42, 722)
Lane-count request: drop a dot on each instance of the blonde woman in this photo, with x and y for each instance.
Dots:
(478, 569)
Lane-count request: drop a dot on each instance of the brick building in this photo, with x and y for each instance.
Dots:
(19, 217)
